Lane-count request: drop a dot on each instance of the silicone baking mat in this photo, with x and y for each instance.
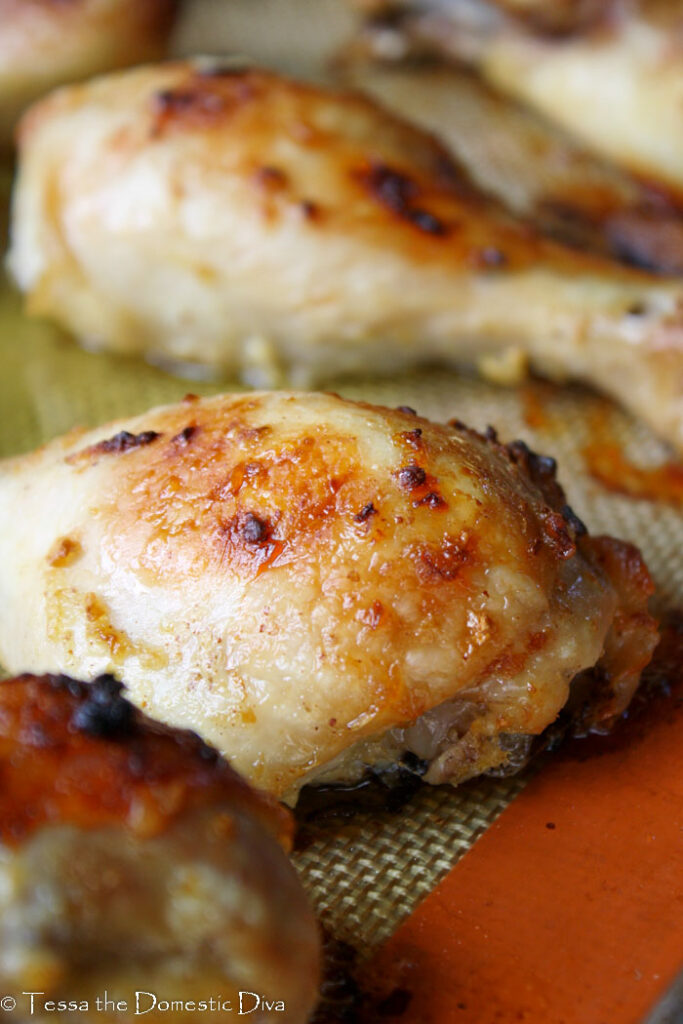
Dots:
(365, 874)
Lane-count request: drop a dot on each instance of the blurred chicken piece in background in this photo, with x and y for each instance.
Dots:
(46, 43)
(609, 73)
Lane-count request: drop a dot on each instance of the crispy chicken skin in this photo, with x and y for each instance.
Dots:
(244, 222)
(132, 857)
(317, 585)
(610, 72)
(45, 43)
(534, 168)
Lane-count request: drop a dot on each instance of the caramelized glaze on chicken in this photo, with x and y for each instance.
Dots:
(609, 72)
(536, 170)
(239, 221)
(133, 858)
(317, 586)
(45, 43)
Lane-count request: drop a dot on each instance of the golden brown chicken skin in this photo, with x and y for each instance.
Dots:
(535, 169)
(133, 859)
(45, 43)
(244, 223)
(319, 586)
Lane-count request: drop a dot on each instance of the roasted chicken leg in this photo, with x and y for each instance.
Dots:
(133, 860)
(534, 168)
(239, 221)
(319, 586)
(609, 72)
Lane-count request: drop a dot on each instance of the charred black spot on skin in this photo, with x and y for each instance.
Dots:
(411, 477)
(124, 442)
(560, 523)
(577, 525)
(427, 222)
(392, 188)
(397, 192)
(490, 258)
(202, 101)
(254, 530)
(457, 424)
(365, 513)
(310, 211)
(185, 436)
(271, 177)
(105, 713)
(407, 409)
(177, 102)
(647, 235)
(644, 242)
(432, 500)
(413, 764)
(539, 465)
(540, 469)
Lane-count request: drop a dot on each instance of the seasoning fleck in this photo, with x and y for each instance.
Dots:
(365, 513)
